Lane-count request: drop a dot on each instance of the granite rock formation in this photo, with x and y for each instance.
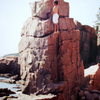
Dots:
(52, 62)
(88, 45)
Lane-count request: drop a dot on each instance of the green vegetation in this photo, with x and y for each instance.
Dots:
(97, 22)
(98, 18)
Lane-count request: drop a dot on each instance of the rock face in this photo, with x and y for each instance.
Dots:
(88, 45)
(51, 62)
(96, 81)
(9, 65)
(89, 95)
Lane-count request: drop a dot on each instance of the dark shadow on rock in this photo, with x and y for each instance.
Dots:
(5, 92)
(9, 65)
(88, 45)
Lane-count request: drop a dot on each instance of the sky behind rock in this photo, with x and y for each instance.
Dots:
(14, 13)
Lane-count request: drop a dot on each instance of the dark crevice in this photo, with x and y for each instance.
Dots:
(45, 35)
(41, 18)
(48, 17)
(42, 36)
(63, 30)
(63, 16)
(60, 75)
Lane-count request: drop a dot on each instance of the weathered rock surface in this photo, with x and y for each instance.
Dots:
(88, 45)
(91, 90)
(51, 62)
(9, 65)
(95, 84)
(89, 95)
(43, 8)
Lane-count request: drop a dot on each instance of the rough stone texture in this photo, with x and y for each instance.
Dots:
(43, 9)
(51, 62)
(89, 95)
(9, 65)
(88, 45)
(95, 84)
(91, 90)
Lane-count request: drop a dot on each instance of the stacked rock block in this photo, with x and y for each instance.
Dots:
(50, 62)
(88, 45)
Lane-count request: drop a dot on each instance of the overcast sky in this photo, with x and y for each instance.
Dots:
(13, 14)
